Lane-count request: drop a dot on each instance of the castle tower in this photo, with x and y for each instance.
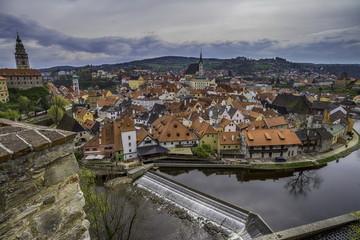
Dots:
(75, 82)
(21, 57)
(201, 65)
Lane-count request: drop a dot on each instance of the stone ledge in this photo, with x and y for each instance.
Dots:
(18, 139)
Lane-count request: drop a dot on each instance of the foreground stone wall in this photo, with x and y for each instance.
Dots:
(40, 196)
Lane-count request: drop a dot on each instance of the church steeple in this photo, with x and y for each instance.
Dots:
(21, 57)
(201, 65)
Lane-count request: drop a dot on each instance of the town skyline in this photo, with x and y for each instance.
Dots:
(78, 33)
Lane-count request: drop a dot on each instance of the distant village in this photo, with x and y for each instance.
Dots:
(152, 115)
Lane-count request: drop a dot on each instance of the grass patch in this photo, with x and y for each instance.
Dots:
(328, 159)
(282, 165)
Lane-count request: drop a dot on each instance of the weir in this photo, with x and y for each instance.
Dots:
(245, 224)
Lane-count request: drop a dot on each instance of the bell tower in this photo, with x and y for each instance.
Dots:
(21, 57)
(201, 65)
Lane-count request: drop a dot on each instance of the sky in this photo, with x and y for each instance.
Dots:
(81, 32)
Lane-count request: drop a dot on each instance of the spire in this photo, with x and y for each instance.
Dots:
(21, 57)
(201, 60)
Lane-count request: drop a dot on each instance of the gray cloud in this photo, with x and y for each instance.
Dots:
(48, 47)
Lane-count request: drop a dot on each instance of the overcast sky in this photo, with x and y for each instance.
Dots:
(80, 32)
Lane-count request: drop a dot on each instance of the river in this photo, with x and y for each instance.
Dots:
(284, 199)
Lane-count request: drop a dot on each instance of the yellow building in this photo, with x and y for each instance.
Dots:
(82, 115)
(136, 83)
(228, 141)
(4, 93)
(206, 133)
(200, 83)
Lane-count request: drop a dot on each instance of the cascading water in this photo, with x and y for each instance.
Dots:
(240, 222)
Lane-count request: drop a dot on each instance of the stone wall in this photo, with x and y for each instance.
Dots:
(40, 196)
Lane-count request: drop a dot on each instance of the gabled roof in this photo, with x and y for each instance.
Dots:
(141, 135)
(293, 103)
(70, 124)
(82, 112)
(201, 128)
(313, 134)
(167, 128)
(229, 138)
(224, 122)
(192, 69)
(127, 125)
(275, 121)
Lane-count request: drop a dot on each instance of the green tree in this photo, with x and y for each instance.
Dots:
(57, 108)
(25, 104)
(10, 114)
(112, 215)
(203, 151)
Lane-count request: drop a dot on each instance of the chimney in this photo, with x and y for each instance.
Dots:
(319, 94)
(201, 120)
(150, 130)
(210, 113)
(232, 137)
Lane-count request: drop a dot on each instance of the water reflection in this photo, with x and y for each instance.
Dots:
(303, 182)
(242, 175)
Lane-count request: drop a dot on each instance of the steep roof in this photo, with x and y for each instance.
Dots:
(271, 137)
(70, 124)
(141, 135)
(192, 69)
(201, 128)
(275, 121)
(127, 125)
(293, 103)
(229, 138)
(224, 122)
(167, 128)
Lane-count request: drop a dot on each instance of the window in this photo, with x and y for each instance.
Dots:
(129, 137)
(202, 142)
(94, 149)
(129, 144)
(87, 149)
(130, 150)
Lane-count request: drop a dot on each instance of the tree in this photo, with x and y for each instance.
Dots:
(355, 228)
(57, 109)
(10, 114)
(24, 104)
(113, 214)
(303, 182)
(203, 151)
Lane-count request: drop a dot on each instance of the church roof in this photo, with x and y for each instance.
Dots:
(192, 69)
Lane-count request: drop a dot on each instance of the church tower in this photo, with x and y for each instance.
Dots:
(75, 82)
(201, 65)
(21, 57)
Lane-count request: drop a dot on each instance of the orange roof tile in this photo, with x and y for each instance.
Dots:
(202, 128)
(275, 121)
(229, 138)
(19, 72)
(167, 128)
(271, 137)
(127, 125)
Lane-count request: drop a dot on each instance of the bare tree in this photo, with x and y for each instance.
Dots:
(303, 182)
(113, 214)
